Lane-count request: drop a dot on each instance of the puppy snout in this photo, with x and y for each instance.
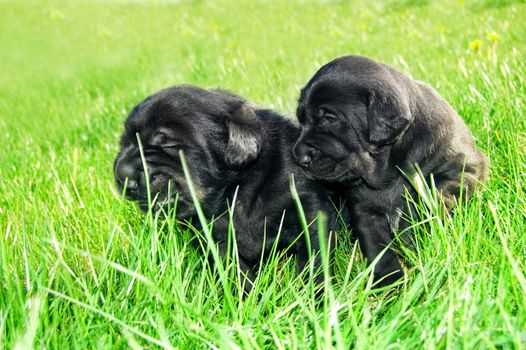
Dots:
(305, 160)
(125, 171)
(127, 175)
(303, 154)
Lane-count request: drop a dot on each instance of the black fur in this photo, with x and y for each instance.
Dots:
(364, 121)
(228, 144)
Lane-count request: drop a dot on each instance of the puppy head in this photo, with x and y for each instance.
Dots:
(352, 110)
(217, 131)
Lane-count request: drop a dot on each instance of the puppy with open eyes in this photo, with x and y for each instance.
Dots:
(364, 124)
(229, 146)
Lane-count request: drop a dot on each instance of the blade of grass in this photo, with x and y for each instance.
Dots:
(211, 245)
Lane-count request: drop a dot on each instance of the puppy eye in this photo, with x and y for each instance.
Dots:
(159, 139)
(329, 117)
(171, 145)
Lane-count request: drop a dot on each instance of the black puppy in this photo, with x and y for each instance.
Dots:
(364, 125)
(228, 144)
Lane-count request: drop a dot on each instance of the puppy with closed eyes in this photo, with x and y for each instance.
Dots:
(364, 126)
(229, 146)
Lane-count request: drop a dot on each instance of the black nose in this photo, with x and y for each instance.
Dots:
(303, 154)
(305, 160)
(127, 174)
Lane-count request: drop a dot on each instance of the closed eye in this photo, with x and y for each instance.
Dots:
(158, 140)
(330, 117)
(171, 145)
(327, 116)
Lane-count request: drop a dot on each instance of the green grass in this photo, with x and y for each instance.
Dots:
(82, 268)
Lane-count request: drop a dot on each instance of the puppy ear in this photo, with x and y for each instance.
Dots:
(244, 136)
(388, 116)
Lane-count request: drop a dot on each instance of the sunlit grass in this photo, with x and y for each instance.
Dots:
(82, 268)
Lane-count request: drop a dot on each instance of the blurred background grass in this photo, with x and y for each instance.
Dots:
(71, 70)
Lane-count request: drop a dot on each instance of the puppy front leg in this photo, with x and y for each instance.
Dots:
(302, 255)
(374, 235)
(302, 265)
(248, 276)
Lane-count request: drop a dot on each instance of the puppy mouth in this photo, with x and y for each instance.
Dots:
(326, 177)
(334, 172)
(183, 207)
(166, 195)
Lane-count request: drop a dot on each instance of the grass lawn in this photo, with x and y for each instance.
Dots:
(82, 268)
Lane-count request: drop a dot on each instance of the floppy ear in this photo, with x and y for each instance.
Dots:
(388, 116)
(244, 136)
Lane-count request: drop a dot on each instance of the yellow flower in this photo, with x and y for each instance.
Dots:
(493, 37)
(475, 45)
(362, 26)
(55, 14)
